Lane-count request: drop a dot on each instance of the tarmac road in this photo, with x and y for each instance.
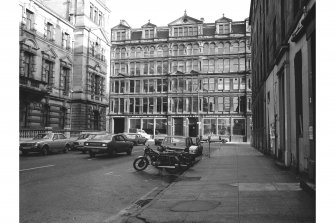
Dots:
(73, 187)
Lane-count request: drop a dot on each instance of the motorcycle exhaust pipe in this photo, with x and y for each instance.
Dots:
(170, 167)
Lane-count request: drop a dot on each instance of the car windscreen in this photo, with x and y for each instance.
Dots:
(172, 141)
(103, 137)
(83, 136)
(43, 136)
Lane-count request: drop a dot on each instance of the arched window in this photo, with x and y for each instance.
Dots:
(181, 50)
(138, 52)
(189, 49)
(220, 48)
(123, 53)
(234, 47)
(206, 48)
(132, 52)
(226, 48)
(159, 51)
(117, 53)
(212, 48)
(152, 51)
(195, 49)
(165, 51)
(241, 48)
(175, 50)
(146, 52)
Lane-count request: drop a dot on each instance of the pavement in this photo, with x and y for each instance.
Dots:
(235, 183)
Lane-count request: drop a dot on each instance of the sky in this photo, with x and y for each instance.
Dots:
(161, 13)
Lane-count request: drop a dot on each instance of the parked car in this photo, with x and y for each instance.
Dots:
(141, 132)
(181, 143)
(108, 143)
(78, 144)
(136, 138)
(46, 143)
(215, 138)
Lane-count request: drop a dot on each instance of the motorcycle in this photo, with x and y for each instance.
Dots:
(172, 161)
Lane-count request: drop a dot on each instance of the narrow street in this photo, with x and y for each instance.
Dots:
(73, 187)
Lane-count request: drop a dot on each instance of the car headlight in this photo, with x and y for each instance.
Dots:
(104, 144)
(86, 144)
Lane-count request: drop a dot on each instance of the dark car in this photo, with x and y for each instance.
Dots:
(110, 144)
(78, 144)
(159, 137)
(136, 138)
(46, 143)
(182, 144)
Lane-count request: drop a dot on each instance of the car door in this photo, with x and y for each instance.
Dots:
(62, 140)
(122, 143)
(53, 143)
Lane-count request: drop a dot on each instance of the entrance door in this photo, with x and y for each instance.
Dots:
(178, 126)
(118, 125)
(192, 127)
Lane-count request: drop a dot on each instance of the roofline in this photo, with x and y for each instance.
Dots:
(44, 7)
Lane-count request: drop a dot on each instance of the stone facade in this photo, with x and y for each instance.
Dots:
(188, 78)
(69, 89)
(283, 58)
(46, 67)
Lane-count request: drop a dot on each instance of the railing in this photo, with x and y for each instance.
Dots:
(31, 133)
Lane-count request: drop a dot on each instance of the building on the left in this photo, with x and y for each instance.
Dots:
(64, 50)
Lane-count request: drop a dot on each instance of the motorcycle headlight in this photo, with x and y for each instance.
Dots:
(104, 144)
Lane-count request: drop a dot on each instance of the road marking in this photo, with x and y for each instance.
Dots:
(37, 167)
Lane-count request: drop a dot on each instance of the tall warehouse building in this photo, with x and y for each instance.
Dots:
(189, 78)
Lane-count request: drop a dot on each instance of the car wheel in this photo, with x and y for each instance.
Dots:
(45, 150)
(66, 149)
(92, 154)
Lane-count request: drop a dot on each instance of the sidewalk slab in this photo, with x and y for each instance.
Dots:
(236, 183)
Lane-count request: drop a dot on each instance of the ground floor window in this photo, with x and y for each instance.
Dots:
(209, 126)
(135, 123)
(238, 126)
(224, 126)
(161, 126)
(148, 126)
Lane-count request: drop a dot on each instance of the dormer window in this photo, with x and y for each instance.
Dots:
(224, 28)
(148, 33)
(185, 31)
(121, 35)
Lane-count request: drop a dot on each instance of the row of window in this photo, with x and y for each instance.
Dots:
(49, 30)
(218, 65)
(179, 85)
(221, 126)
(47, 73)
(182, 50)
(96, 15)
(151, 105)
(176, 31)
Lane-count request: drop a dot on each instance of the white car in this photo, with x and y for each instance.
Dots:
(144, 134)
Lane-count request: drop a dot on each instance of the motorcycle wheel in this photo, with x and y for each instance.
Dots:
(140, 163)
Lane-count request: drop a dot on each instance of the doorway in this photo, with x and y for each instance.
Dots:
(118, 125)
(192, 127)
